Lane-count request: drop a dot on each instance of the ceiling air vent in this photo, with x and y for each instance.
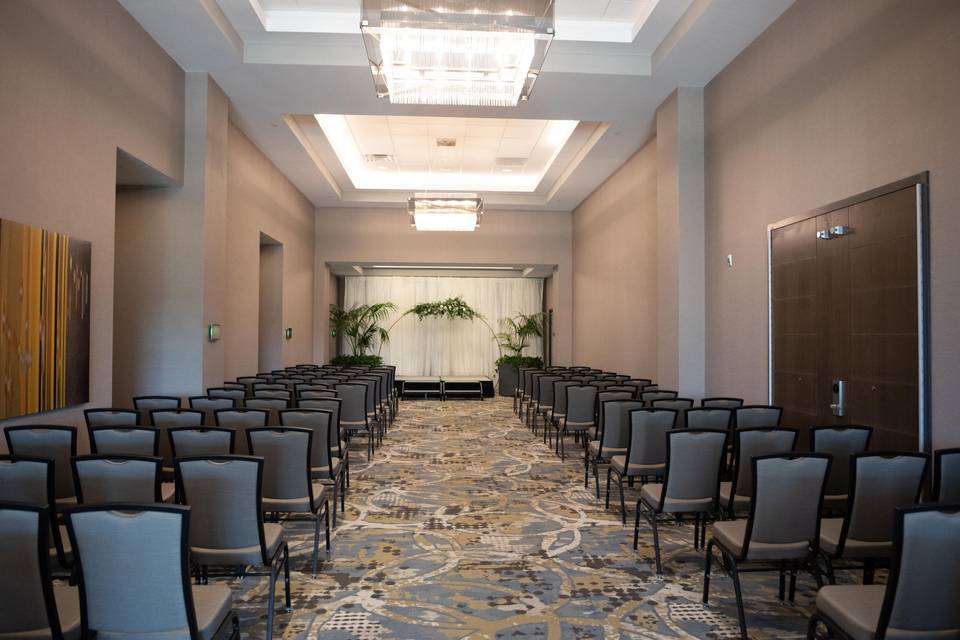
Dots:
(378, 158)
(446, 142)
(511, 162)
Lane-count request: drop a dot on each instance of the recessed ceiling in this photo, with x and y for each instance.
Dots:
(612, 63)
(436, 153)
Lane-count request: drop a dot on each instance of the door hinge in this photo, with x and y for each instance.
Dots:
(824, 234)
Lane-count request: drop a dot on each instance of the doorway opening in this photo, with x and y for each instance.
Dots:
(271, 304)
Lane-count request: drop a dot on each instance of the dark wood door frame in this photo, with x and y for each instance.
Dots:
(921, 182)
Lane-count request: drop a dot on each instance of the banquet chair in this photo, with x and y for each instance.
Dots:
(919, 599)
(545, 403)
(646, 454)
(680, 405)
(146, 404)
(721, 403)
(31, 604)
(373, 407)
(238, 396)
(863, 538)
(315, 394)
(353, 414)
(111, 479)
(518, 390)
(613, 434)
(324, 465)
(109, 417)
(277, 394)
(533, 401)
(559, 409)
(841, 442)
(240, 420)
(30, 480)
(209, 405)
(946, 478)
(116, 546)
(748, 444)
(269, 386)
(783, 528)
(125, 441)
(226, 523)
(709, 418)
(163, 419)
(648, 397)
(288, 486)
(273, 407)
(757, 416)
(58, 443)
(691, 481)
(580, 416)
(191, 442)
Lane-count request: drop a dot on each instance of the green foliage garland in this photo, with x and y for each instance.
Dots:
(453, 308)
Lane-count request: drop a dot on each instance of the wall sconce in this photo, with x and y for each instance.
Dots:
(288, 333)
(213, 332)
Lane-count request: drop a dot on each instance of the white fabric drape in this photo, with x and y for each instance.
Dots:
(440, 346)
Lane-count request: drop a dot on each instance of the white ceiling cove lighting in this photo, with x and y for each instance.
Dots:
(485, 53)
(445, 211)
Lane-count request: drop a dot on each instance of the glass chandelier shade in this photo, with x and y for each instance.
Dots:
(456, 52)
(445, 211)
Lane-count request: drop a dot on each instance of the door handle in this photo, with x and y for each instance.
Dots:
(838, 406)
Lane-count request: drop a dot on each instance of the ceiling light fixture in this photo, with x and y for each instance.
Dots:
(445, 211)
(441, 267)
(485, 53)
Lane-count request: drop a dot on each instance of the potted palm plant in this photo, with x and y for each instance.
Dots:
(361, 326)
(513, 341)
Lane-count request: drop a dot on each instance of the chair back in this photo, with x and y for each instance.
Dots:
(26, 593)
(286, 454)
(709, 418)
(353, 403)
(754, 442)
(223, 493)
(192, 442)
(581, 403)
(116, 550)
(841, 442)
(946, 479)
(321, 423)
(535, 385)
(680, 405)
(315, 394)
(273, 407)
(721, 403)
(125, 441)
(27, 479)
(165, 418)
(241, 420)
(114, 479)
(692, 477)
(785, 505)
(546, 390)
(649, 397)
(923, 585)
(146, 404)
(757, 416)
(647, 445)
(209, 405)
(54, 442)
(614, 430)
(880, 482)
(276, 385)
(284, 394)
(237, 395)
(111, 417)
(560, 388)
(307, 387)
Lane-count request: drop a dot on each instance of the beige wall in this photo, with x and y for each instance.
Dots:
(504, 238)
(71, 93)
(834, 99)
(260, 199)
(615, 270)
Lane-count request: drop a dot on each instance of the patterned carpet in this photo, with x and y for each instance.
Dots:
(466, 526)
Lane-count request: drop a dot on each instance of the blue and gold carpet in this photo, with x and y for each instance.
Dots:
(466, 526)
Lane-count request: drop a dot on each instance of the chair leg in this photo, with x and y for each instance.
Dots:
(586, 467)
(270, 601)
(782, 582)
(286, 578)
(735, 574)
(707, 561)
(623, 504)
(792, 593)
(336, 494)
(831, 576)
(636, 529)
(326, 524)
(812, 626)
(868, 570)
(596, 476)
(606, 502)
(656, 542)
(343, 496)
(316, 541)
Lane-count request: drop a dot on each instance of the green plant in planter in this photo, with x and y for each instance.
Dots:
(357, 361)
(519, 329)
(518, 362)
(361, 325)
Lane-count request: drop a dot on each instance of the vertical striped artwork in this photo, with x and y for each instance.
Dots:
(44, 320)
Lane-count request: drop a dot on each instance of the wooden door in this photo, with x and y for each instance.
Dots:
(844, 307)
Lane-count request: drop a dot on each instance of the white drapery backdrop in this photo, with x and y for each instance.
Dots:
(441, 346)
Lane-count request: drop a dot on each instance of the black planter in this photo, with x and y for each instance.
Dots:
(508, 378)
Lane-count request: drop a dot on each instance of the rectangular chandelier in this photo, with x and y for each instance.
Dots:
(445, 211)
(483, 53)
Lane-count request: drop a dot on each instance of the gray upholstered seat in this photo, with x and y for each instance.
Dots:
(201, 441)
(146, 404)
(240, 420)
(782, 531)
(694, 460)
(117, 549)
(111, 417)
(709, 418)
(750, 416)
(226, 523)
(111, 479)
(750, 443)
(287, 486)
(646, 453)
(125, 441)
(648, 397)
(880, 483)
(209, 405)
(919, 601)
(28, 600)
(680, 405)
(237, 395)
(946, 478)
(58, 443)
(273, 407)
(721, 403)
(840, 442)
